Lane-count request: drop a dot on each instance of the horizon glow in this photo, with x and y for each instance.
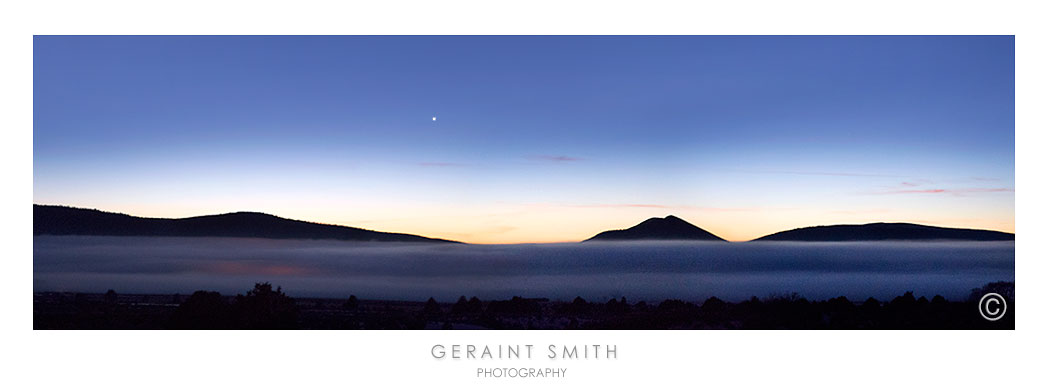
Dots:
(541, 139)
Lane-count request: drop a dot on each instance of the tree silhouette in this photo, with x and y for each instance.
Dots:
(431, 308)
(264, 308)
(713, 305)
(460, 307)
(615, 307)
(474, 305)
(351, 303)
(203, 310)
(1005, 289)
(110, 297)
(578, 306)
(517, 305)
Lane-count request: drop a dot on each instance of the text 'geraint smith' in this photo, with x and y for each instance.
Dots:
(523, 351)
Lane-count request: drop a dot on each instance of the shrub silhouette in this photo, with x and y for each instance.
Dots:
(675, 305)
(904, 311)
(460, 307)
(465, 306)
(578, 306)
(110, 297)
(871, 307)
(431, 308)
(203, 310)
(713, 305)
(1006, 289)
(516, 306)
(264, 308)
(351, 303)
(615, 307)
(474, 305)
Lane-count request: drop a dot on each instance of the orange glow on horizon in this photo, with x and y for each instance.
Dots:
(546, 223)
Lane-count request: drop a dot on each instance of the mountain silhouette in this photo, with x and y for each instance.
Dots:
(885, 231)
(60, 220)
(667, 228)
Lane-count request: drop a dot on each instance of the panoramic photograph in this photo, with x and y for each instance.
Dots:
(523, 182)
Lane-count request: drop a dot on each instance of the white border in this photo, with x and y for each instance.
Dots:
(346, 360)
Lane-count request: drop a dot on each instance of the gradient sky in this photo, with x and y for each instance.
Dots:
(537, 139)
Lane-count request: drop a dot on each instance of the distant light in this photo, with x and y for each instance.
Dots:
(434, 118)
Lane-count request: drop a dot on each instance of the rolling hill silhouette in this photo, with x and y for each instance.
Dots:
(885, 231)
(59, 220)
(667, 228)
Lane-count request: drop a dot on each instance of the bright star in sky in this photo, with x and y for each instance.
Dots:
(434, 118)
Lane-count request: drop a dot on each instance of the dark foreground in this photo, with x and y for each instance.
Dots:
(265, 308)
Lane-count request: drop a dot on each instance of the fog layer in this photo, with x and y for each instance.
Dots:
(596, 271)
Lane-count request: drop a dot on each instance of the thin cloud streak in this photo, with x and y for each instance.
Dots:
(676, 207)
(441, 164)
(555, 158)
(623, 206)
(861, 212)
(810, 173)
(956, 192)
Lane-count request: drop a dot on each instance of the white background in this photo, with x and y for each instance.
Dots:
(372, 360)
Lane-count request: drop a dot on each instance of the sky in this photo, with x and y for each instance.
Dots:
(519, 139)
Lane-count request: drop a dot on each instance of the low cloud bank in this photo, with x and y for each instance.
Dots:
(647, 270)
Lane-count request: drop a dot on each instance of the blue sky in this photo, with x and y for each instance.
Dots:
(537, 139)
